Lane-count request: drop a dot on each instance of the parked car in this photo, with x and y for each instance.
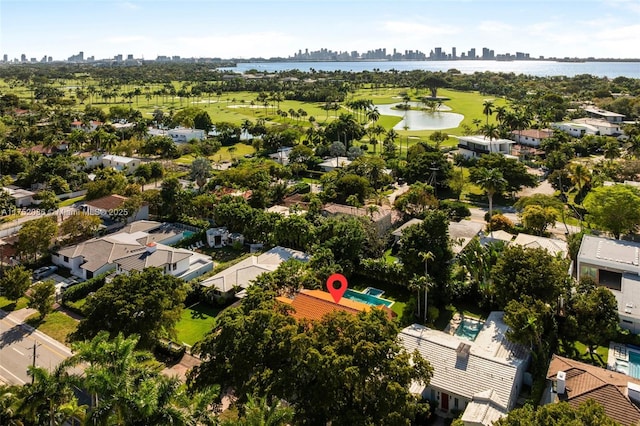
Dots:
(70, 282)
(45, 271)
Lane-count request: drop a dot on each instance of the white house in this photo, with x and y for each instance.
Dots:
(220, 237)
(478, 145)
(90, 127)
(554, 246)
(21, 197)
(127, 250)
(488, 370)
(91, 159)
(614, 264)
(242, 274)
(460, 233)
(120, 163)
(184, 135)
(603, 114)
(334, 163)
(589, 126)
(531, 137)
(281, 155)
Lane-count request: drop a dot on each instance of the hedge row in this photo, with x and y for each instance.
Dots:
(82, 290)
(380, 269)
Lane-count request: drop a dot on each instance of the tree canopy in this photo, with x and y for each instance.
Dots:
(615, 209)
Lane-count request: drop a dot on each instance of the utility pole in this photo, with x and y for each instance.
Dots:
(36, 345)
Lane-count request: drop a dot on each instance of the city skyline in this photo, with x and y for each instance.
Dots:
(265, 28)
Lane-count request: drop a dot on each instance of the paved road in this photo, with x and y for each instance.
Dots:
(16, 349)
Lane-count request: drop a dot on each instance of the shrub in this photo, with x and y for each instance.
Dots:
(455, 209)
(82, 290)
(300, 188)
(500, 222)
(432, 314)
(380, 269)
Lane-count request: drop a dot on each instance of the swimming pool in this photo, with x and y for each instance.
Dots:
(187, 234)
(366, 298)
(469, 329)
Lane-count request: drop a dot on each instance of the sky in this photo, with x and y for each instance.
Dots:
(270, 28)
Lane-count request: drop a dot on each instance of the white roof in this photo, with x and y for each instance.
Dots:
(602, 112)
(492, 362)
(629, 298)
(244, 272)
(485, 408)
(118, 158)
(483, 140)
(496, 236)
(335, 162)
(552, 245)
(615, 254)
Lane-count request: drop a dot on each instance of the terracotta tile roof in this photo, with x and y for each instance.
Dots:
(314, 304)
(108, 202)
(535, 133)
(608, 388)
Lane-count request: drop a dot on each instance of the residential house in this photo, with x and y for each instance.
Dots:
(281, 155)
(312, 305)
(181, 263)
(91, 159)
(589, 126)
(477, 145)
(554, 246)
(184, 135)
(381, 217)
(21, 197)
(333, 163)
(602, 114)
(487, 371)
(125, 251)
(614, 264)
(127, 165)
(241, 275)
(89, 127)
(531, 137)
(575, 382)
(460, 233)
(110, 207)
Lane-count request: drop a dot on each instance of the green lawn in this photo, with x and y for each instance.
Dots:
(580, 352)
(398, 294)
(57, 325)
(227, 154)
(9, 305)
(196, 322)
(70, 201)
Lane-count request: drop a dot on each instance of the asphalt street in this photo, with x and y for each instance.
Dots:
(17, 341)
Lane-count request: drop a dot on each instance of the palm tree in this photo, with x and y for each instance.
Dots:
(487, 108)
(426, 257)
(491, 132)
(492, 182)
(373, 114)
(258, 412)
(580, 175)
(416, 283)
(477, 122)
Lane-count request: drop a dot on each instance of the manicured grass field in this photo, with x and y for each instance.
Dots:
(56, 325)
(398, 294)
(70, 201)
(196, 322)
(9, 305)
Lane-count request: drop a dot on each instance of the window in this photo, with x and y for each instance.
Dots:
(609, 279)
(589, 271)
(627, 322)
(455, 403)
(66, 258)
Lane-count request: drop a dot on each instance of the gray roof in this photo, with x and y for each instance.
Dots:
(492, 361)
(142, 225)
(614, 254)
(145, 258)
(244, 272)
(412, 222)
(485, 408)
(552, 245)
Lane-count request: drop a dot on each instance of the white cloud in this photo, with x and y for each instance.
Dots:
(495, 27)
(126, 39)
(632, 6)
(418, 30)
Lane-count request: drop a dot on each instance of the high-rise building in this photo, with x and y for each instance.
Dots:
(453, 53)
(438, 53)
(472, 53)
(5, 58)
(23, 58)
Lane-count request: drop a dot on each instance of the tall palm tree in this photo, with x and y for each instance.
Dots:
(487, 108)
(426, 257)
(416, 283)
(373, 114)
(492, 182)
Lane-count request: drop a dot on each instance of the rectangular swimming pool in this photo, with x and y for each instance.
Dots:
(366, 298)
(469, 329)
(634, 364)
(373, 291)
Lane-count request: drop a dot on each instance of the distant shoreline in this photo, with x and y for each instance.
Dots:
(569, 60)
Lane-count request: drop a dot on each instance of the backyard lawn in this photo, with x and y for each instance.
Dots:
(56, 325)
(196, 322)
(399, 295)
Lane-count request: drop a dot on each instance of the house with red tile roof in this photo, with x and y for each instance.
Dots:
(576, 382)
(312, 305)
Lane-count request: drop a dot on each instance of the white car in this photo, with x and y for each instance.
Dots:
(45, 271)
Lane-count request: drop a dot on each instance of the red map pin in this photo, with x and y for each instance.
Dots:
(337, 292)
